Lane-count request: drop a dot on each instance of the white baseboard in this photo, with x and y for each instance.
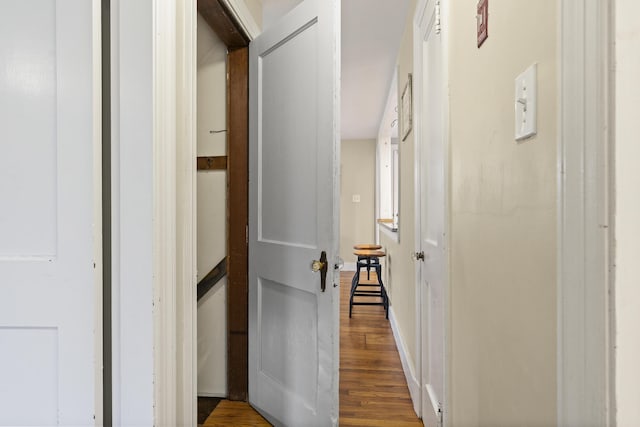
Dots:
(407, 366)
(349, 266)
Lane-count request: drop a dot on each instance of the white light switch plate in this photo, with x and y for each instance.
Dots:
(526, 103)
(355, 198)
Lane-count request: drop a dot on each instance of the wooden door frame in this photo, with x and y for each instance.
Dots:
(585, 220)
(231, 21)
(186, 220)
(420, 25)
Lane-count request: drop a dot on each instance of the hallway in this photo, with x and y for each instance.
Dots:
(373, 389)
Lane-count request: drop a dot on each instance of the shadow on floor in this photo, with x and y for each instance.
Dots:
(206, 405)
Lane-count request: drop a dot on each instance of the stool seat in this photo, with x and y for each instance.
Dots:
(367, 246)
(369, 253)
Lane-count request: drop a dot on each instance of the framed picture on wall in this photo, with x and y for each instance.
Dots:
(406, 110)
(483, 21)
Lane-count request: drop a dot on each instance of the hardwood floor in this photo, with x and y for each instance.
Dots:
(206, 405)
(373, 389)
(237, 414)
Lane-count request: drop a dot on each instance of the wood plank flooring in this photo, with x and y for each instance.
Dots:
(373, 390)
(237, 414)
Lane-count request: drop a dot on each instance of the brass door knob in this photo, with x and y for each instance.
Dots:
(317, 266)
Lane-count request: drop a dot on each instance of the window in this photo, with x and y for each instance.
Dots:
(395, 183)
(388, 166)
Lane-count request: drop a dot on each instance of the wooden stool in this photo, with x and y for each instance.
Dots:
(365, 258)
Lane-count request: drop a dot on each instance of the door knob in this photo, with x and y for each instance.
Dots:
(418, 256)
(317, 266)
(321, 266)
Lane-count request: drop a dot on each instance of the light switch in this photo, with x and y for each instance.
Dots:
(526, 103)
(355, 198)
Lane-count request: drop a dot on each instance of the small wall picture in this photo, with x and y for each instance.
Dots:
(483, 21)
(406, 112)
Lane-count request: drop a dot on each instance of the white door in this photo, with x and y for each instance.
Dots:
(433, 211)
(293, 212)
(50, 275)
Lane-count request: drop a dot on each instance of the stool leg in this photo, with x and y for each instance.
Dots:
(386, 303)
(383, 291)
(354, 285)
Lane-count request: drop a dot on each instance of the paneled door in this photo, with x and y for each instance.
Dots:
(293, 217)
(50, 256)
(433, 179)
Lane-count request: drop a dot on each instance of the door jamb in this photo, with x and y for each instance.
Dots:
(585, 219)
(237, 224)
(186, 220)
(237, 22)
(164, 108)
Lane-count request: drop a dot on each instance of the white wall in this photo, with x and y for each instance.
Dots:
(255, 7)
(211, 212)
(503, 219)
(272, 10)
(627, 216)
(357, 177)
(399, 269)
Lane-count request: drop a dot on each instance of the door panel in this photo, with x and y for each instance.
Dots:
(293, 339)
(28, 48)
(49, 225)
(289, 139)
(290, 331)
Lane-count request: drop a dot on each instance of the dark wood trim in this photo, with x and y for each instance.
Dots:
(237, 223)
(223, 23)
(210, 280)
(237, 41)
(212, 163)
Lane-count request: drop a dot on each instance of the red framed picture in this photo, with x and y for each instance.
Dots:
(483, 21)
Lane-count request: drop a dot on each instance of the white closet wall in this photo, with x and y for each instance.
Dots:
(212, 233)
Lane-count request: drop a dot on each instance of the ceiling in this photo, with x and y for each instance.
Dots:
(371, 35)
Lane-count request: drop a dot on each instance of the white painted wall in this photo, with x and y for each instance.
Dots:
(357, 177)
(399, 272)
(627, 213)
(211, 211)
(272, 10)
(255, 7)
(503, 219)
